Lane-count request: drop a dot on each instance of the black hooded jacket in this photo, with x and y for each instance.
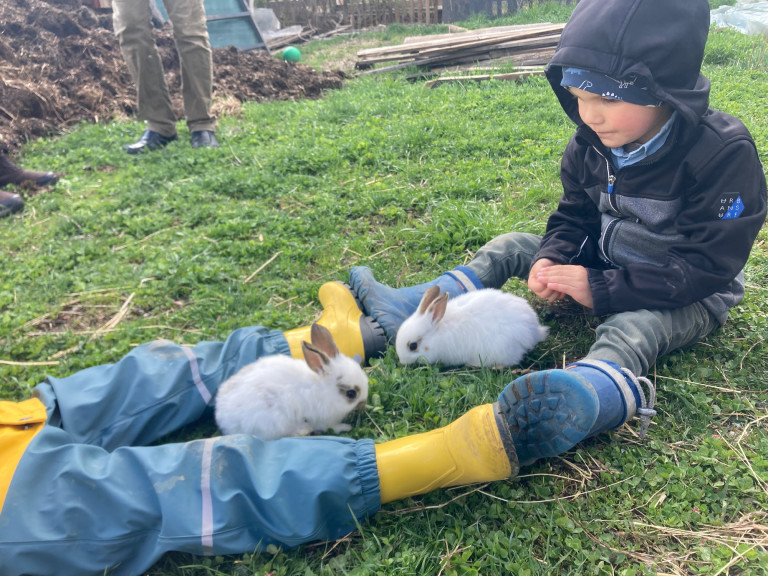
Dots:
(679, 225)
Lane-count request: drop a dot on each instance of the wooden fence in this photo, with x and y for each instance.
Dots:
(327, 14)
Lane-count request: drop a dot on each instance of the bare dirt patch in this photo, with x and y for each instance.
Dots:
(60, 64)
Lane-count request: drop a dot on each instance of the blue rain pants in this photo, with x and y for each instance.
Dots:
(88, 491)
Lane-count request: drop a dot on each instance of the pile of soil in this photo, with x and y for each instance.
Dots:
(60, 64)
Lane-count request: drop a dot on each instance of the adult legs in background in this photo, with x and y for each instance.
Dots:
(133, 27)
(191, 37)
(132, 20)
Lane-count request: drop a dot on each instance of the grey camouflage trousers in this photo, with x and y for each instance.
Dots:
(633, 340)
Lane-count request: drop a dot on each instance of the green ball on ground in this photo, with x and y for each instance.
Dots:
(291, 54)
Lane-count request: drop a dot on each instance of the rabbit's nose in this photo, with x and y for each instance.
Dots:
(360, 405)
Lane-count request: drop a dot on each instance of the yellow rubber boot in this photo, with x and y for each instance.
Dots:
(356, 335)
(475, 448)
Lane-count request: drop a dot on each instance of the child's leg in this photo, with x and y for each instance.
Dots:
(506, 256)
(636, 339)
(627, 345)
(84, 510)
(155, 389)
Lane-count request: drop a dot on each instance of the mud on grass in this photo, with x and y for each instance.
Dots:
(60, 64)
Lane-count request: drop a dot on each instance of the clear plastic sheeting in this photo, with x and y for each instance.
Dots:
(747, 16)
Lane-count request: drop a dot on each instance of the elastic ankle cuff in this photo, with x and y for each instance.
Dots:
(466, 278)
(612, 379)
(614, 372)
(617, 399)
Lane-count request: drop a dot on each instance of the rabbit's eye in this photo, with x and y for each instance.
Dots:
(351, 394)
(413, 346)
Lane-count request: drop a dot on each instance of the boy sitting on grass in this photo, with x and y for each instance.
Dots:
(662, 199)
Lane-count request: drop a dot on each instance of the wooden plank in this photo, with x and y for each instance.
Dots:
(470, 55)
(519, 55)
(496, 42)
(479, 32)
(450, 39)
(511, 46)
(456, 41)
(425, 56)
(511, 76)
(537, 59)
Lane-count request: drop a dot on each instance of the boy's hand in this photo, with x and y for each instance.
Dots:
(565, 279)
(538, 285)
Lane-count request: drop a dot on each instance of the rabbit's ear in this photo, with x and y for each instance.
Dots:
(437, 308)
(317, 360)
(431, 293)
(322, 340)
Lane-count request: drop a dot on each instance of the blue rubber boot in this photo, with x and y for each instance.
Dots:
(391, 306)
(551, 411)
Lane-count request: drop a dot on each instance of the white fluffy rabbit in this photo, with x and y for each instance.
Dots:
(279, 396)
(479, 328)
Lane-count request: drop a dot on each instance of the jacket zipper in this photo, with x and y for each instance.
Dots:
(611, 179)
(606, 235)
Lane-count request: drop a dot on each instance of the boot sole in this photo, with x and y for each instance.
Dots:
(548, 413)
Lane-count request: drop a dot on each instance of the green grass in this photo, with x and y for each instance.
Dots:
(409, 181)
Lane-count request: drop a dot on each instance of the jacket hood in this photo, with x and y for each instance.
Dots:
(659, 41)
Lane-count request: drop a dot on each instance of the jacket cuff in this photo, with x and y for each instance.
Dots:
(601, 299)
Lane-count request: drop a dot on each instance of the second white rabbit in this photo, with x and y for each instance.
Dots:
(279, 396)
(479, 328)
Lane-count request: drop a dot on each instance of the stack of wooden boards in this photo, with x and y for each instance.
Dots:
(527, 45)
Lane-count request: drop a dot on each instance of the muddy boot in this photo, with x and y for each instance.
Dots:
(12, 174)
(357, 336)
(391, 306)
(549, 412)
(10, 203)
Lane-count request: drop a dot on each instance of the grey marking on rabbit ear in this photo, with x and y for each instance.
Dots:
(438, 307)
(323, 340)
(317, 360)
(431, 293)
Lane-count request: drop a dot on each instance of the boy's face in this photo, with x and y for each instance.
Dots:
(619, 123)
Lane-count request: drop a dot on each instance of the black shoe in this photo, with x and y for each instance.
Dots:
(204, 139)
(12, 174)
(150, 140)
(10, 203)
(46, 178)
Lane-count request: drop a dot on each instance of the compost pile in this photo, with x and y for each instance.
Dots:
(60, 64)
